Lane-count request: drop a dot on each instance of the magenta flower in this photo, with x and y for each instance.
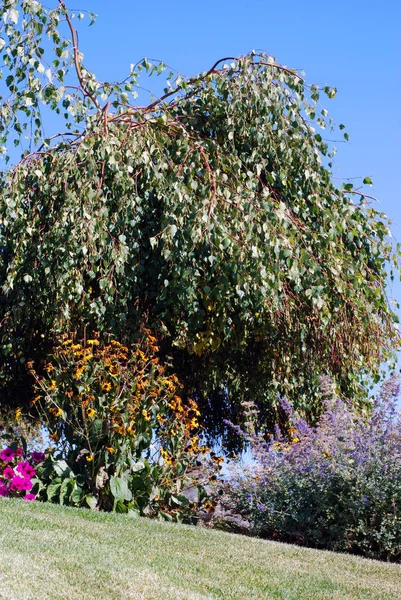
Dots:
(7, 454)
(30, 497)
(19, 452)
(19, 484)
(37, 457)
(26, 470)
(26, 484)
(3, 490)
(8, 473)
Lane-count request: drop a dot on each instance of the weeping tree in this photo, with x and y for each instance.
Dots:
(210, 214)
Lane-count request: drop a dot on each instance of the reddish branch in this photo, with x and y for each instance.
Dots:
(74, 36)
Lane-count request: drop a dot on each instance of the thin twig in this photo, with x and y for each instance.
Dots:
(76, 56)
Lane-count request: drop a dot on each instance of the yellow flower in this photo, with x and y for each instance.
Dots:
(130, 430)
(79, 372)
(106, 387)
(18, 413)
(93, 342)
(35, 399)
(88, 357)
(89, 457)
(146, 415)
(56, 411)
(110, 449)
(53, 385)
(76, 347)
(91, 412)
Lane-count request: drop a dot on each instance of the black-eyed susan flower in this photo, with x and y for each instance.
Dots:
(146, 415)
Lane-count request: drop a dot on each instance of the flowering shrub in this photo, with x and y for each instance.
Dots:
(335, 486)
(17, 470)
(125, 440)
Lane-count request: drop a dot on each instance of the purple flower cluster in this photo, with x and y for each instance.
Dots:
(335, 485)
(16, 474)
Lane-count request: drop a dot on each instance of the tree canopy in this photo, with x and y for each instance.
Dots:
(210, 215)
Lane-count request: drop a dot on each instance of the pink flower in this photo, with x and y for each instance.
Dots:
(26, 484)
(16, 483)
(25, 469)
(19, 452)
(3, 490)
(8, 473)
(19, 484)
(37, 457)
(30, 497)
(7, 454)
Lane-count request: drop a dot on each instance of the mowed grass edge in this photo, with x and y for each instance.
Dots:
(53, 552)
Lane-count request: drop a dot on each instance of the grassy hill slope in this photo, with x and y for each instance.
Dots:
(49, 552)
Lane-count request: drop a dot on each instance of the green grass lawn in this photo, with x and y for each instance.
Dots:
(51, 552)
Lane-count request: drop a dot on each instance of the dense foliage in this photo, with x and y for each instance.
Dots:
(210, 215)
(334, 486)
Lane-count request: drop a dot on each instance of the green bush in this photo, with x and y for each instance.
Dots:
(125, 440)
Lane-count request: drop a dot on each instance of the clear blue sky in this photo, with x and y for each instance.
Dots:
(353, 45)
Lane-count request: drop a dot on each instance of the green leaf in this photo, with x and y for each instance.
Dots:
(61, 468)
(91, 501)
(77, 495)
(119, 489)
(53, 489)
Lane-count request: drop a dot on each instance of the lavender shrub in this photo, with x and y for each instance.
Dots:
(336, 485)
